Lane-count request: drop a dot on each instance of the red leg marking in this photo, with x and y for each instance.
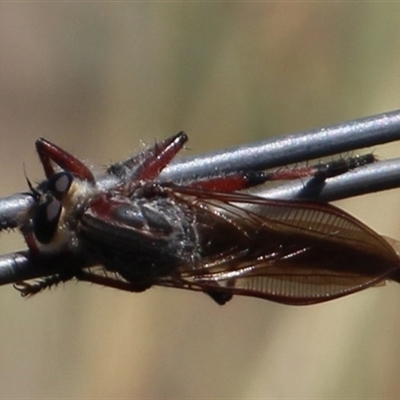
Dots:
(147, 155)
(240, 181)
(49, 152)
(230, 183)
(154, 160)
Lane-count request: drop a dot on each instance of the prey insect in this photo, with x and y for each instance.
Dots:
(200, 234)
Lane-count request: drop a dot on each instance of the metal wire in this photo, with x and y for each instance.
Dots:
(284, 150)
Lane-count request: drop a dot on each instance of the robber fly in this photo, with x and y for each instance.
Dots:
(199, 235)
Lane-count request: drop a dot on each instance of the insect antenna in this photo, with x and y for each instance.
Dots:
(35, 194)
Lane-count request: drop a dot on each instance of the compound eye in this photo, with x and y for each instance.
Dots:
(46, 220)
(59, 184)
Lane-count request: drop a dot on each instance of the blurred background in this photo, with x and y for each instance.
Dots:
(99, 79)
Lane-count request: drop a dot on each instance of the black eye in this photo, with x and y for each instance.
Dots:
(46, 219)
(59, 184)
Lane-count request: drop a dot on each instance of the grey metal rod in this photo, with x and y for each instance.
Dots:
(283, 150)
(383, 175)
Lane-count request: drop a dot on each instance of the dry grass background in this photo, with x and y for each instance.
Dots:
(98, 78)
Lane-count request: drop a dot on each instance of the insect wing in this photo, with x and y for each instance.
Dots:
(285, 251)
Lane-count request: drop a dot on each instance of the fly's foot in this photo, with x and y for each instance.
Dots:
(30, 289)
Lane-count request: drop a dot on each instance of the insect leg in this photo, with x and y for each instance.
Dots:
(49, 152)
(114, 283)
(157, 158)
(323, 171)
(30, 289)
(230, 182)
(154, 159)
(239, 181)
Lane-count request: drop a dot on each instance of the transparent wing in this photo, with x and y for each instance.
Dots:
(287, 251)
